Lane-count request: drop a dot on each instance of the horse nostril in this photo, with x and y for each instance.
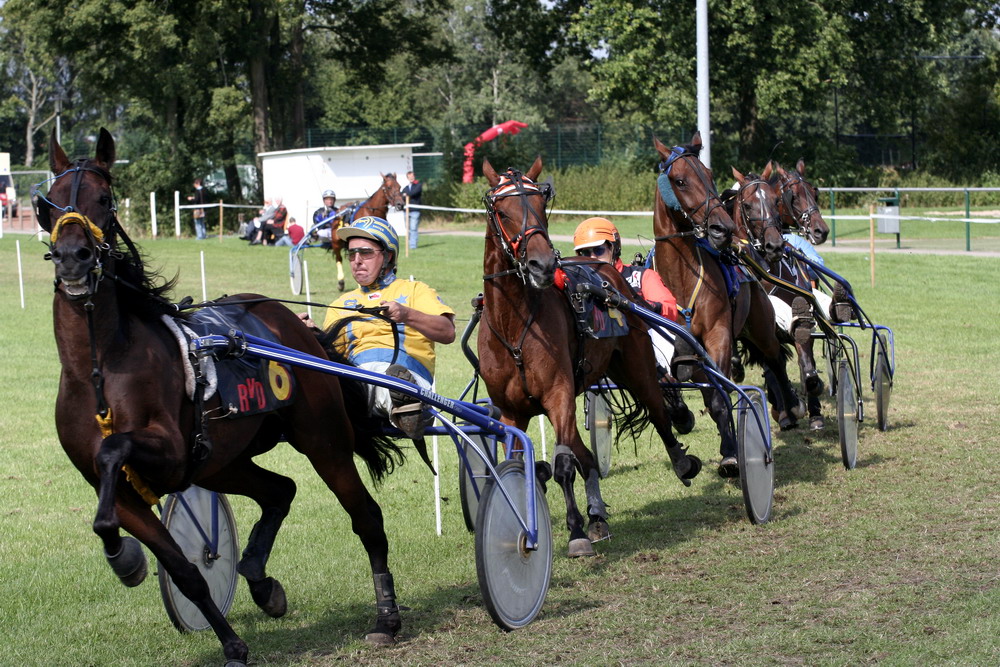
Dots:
(83, 254)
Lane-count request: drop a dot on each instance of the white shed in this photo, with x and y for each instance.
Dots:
(300, 176)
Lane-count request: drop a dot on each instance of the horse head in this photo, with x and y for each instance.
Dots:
(755, 213)
(687, 190)
(393, 193)
(798, 207)
(79, 213)
(515, 207)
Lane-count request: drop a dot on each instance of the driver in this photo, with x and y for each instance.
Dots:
(419, 315)
(328, 208)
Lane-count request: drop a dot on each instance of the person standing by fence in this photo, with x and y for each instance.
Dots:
(413, 190)
(199, 197)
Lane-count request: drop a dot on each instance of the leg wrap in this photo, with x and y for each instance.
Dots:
(385, 594)
(595, 503)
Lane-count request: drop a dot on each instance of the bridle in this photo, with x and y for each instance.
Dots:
(787, 188)
(388, 196)
(99, 240)
(750, 224)
(699, 229)
(514, 184)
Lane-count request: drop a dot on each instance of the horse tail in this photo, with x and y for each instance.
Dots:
(629, 415)
(380, 452)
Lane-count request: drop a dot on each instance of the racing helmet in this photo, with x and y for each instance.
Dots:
(375, 229)
(329, 193)
(593, 232)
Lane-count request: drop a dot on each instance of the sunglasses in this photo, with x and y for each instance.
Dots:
(364, 252)
(599, 251)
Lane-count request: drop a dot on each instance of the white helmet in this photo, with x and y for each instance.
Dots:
(329, 193)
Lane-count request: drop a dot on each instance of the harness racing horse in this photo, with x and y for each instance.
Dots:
(388, 194)
(126, 421)
(534, 359)
(797, 204)
(686, 207)
(754, 209)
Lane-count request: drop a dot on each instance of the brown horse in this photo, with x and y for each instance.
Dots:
(755, 211)
(797, 204)
(535, 361)
(686, 206)
(388, 194)
(126, 422)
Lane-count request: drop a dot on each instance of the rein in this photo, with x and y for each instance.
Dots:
(786, 186)
(750, 223)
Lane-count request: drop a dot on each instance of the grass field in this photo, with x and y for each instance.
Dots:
(895, 562)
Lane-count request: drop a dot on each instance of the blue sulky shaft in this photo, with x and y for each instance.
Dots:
(238, 344)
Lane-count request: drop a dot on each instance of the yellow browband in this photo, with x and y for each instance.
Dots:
(72, 217)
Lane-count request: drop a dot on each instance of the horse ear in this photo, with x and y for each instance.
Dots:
(800, 167)
(490, 173)
(740, 178)
(781, 172)
(696, 142)
(766, 174)
(660, 148)
(58, 162)
(536, 169)
(105, 149)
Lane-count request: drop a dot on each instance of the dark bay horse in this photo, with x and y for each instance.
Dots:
(754, 206)
(797, 203)
(535, 361)
(686, 207)
(388, 194)
(125, 419)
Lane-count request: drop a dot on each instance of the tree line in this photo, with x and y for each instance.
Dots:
(193, 86)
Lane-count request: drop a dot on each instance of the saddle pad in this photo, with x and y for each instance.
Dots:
(248, 385)
(594, 319)
(732, 271)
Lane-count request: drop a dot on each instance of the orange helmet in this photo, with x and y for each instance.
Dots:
(592, 232)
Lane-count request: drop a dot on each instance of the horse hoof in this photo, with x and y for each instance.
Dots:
(235, 663)
(787, 422)
(376, 638)
(598, 530)
(685, 423)
(580, 547)
(816, 423)
(543, 472)
(693, 469)
(129, 563)
(269, 595)
(729, 467)
(737, 373)
(340, 285)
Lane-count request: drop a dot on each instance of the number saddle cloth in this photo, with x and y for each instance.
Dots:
(593, 319)
(246, 385)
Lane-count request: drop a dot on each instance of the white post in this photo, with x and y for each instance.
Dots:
(1, 222)
(204, 287)
(20, 275)
(437, 487)
(152, 212)
(305, 270)
(704, 122)
(177, 214)
(541, 431)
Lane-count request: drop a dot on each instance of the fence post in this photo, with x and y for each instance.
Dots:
(177, 214)
(220, 219)
(871, 240)
(833, 217)
(152, 212)
(968, 225)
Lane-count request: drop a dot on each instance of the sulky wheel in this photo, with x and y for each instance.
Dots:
(512, 579)
(599, 425)
(218, 566)
(470, 487)
(756, 465)
(295, 270)
(883, 384)
(847, 415)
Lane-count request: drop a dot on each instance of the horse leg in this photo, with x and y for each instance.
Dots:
(138, 519)
(274, 494)
(124, 554)
(340, 271)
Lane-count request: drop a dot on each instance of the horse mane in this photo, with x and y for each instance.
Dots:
(141, 290)
(379, 452)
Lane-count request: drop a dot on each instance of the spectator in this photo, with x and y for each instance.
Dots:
(293, 233)
(413, 190)
(418, 314)
(265, 223)
(199, 197)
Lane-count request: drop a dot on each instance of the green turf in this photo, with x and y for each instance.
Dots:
(894, 562)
